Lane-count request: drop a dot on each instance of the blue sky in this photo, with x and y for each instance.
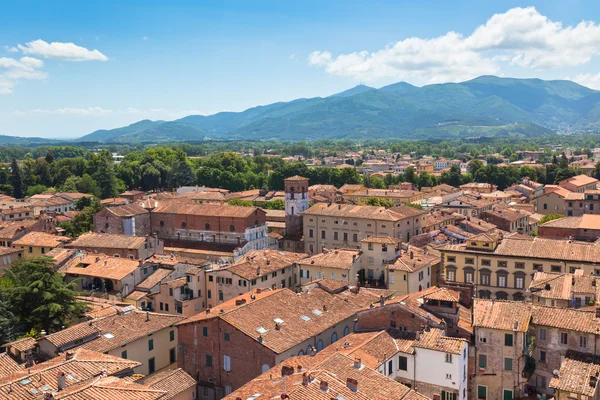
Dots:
(70, 67)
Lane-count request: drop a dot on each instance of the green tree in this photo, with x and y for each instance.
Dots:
(7, 319)
(36, 189)
(550, 217)
(49, 157)
(39, 297)
(16, 179)
(105, 176)
(376, 201)
(596, 171)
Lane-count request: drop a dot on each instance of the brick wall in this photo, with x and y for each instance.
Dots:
(107, 222)
(381, 318)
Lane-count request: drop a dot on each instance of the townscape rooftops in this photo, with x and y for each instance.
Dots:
(108, 240)
(110, 388)
(501, 315)
(128, 210)
(339, 259)
(360, 212)
(100, 266)
(213, 210)
(561, 286)
(171, 381)
(40, 239)
(420, 259)
(8, 365)
(578, 374)
(257, 263)
(585, 221)
(25, 344)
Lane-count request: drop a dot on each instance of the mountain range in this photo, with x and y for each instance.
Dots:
(485, 106)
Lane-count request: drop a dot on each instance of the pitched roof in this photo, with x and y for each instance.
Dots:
(106, 240)
(561, 286)
(154, 279)
(419, 260)
(579, 180)
(434, 339)
(172, 381)
(213, 210)
(8, 365)
(381, 239)
(9, 230)
(566, 318)
(31, 383)
(578, 374)
(585, 221)
(101, 266)
(257, 263)
(339, 259)
(128, 210)
(24, 344)
(41, 239)
(110, 388)
(501, 315)
(352, 211)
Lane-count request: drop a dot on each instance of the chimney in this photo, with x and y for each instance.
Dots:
(286, 370)
(147, 316)
(324, 307)
(412, 255)
(68, 355)
(597, 312)
(48, 396)
(277, 326)
(257, 271)
(61, 382)
(299, 368)
(313, 351)
(352, 384)
(357, 363)
(381, 301)
(324, 386)
(305, 379)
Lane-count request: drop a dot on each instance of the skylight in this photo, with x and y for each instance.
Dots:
(278, 320)
(25, 381)
(261, 330)
(254, 396)
(304, 317)
(317, 312)
(108, 335)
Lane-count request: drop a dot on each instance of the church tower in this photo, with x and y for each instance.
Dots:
(296, 201)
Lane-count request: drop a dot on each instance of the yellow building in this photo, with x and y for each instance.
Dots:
(504, 267)
(38, 244)
(397, 197)
(342, 264)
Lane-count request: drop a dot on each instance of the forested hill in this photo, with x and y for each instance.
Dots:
(485, 106)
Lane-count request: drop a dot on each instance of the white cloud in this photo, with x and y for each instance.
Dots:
(12, 71)
(590, 80)
(145, 38)
(10, 49)
(89, 111)
(520, 37)
(62, 51)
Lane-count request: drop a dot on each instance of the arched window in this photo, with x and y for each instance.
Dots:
(265, 368)
(255, 222)
(501, 295)
(106, 225)
(292, 210)
(162, 224)
(334, 337)
(183, 225)
(346, 331)
(231, 228)
(207, 227)
(228, 388)
(319, 345)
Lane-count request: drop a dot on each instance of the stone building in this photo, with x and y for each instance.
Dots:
(130, 219)
(296, 202)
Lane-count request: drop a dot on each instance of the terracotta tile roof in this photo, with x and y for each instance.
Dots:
(117, 330)
(154, 279)
(213, 210)
(419, 260)
(505, 213)
(442, 294)
(579, 180)
(359, 212)
(8, 365)
(25, 344)
(8, 250)
(92, 240)
(128, 210)
(434, 339)
(586, 221)
(110, 388)
(136, 295)
(9, 230)
(578, 374)
(40, 239)
(101, 266)
(382, 240)
(332, 285)
(561, 286)
(339, 259)
(566, 318)
(84, 365)
(173, 382)
(296, 178)
(257, 263)
(501, 315)
(73, 334)
(176, 283)
(114, 201)
(319, 188)
(334, 369)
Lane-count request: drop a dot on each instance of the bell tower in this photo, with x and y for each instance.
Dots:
(296, 201)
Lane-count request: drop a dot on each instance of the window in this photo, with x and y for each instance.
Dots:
(310, 233)
(226, 336)
(542, 334)
(345, 236)
(451, 275)
(392, 279)
(469, 261)
(508, 339)
(555, 268)
(486, 263)
(402, 363)
(520, 265)
(502, 264)
(335, 235)
(451, 259)
(449, 358)
(323, 235)
(226, 363)
(124, 354)
(151, 366)
(346, 331)
(319, 345)
(482, 361)
(564, 339)
(545, 206)
(183, 225)
(172, 355)
(150, 344)
(171, 336)
(508, 364)
(519, 282)
(501, 280)
(542, 356)
(582, 341)
(507, 394)
(355, 237)
(265, 368)
(209, 360)
(334, 337)
(482, 392)
(485, 278)
(232, 228)
(205, 331)
(207, 227)
(171, 292)
(220, 295)
(469, 276)
(209, 294)
(448, 376)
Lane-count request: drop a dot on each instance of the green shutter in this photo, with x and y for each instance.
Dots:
(507, 395)
(481, 392)
(508, 339)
